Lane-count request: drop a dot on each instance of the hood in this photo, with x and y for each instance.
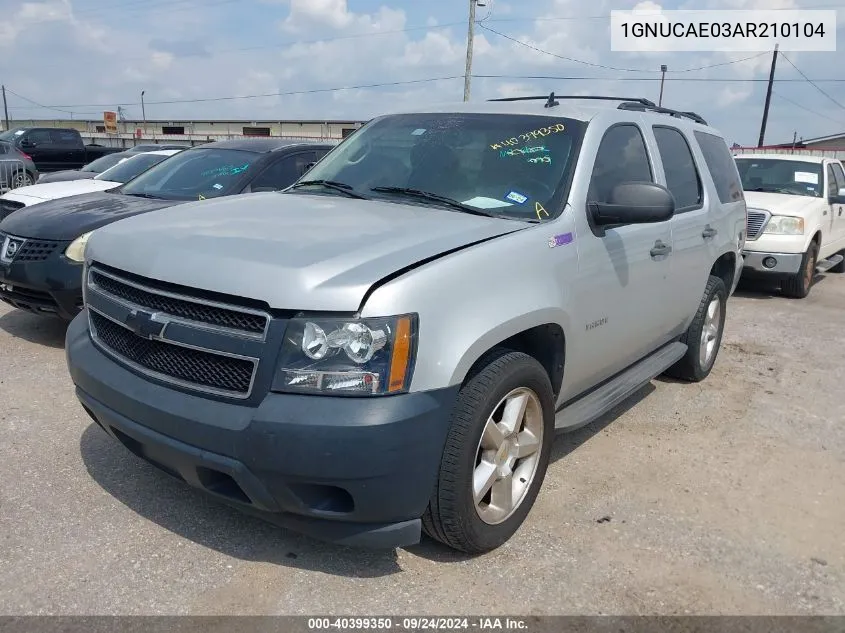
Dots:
(292, 251)
(54, 190)
(65, 176)
(68, 218)
(780, 203)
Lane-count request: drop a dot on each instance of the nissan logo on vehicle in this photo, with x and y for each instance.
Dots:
(10, 248)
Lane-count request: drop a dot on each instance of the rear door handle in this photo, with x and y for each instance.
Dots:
(709, 232)
(660, 249)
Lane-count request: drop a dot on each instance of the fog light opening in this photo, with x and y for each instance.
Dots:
(770, 262)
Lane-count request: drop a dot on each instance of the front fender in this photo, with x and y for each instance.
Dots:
(470, 301)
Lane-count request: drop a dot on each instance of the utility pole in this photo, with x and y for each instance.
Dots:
(5, 108)
(794, 140)
(470, 37)
(768, 97)
(143, 112)
(663, 69)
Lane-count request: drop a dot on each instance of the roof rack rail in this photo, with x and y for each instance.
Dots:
(639, 106)
(551, 99)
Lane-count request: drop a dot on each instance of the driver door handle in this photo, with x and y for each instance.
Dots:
(709, 232)
(660, 249)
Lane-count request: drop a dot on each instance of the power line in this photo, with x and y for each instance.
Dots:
(69, 108)
(674, 79)
(40, 105)
(570, 59)
(627, 70)
(798, 105)
(606, 16)
(61, 108)
(811, 82)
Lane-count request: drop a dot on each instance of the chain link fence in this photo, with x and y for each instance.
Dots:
(13, 174)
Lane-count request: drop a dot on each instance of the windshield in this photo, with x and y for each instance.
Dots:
(11, 135)
(509, 165)
(194, 174)
(776, 175)
(105, 162)
(131, 168)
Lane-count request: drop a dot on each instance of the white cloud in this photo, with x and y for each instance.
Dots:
(91, 57)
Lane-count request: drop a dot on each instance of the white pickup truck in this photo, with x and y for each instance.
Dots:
(796, 218)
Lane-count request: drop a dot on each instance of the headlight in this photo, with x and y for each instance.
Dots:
(347, 356)
(76, 251)
(785, 225)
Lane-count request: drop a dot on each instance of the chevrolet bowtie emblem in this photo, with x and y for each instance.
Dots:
(144, 324)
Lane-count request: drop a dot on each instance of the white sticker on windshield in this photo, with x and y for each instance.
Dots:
(217, 186)
(418, 132)
(806, 176)
(19, 132)
(487, 203)
(516, 197)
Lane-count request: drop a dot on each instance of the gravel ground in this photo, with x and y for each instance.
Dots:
(723, 497)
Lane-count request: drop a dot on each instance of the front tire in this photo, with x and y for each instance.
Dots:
(703, 338)
(496, 454)
(798, 285)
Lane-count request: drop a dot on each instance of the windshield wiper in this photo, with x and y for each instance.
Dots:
(149, 196)
(426, 195)
(342, 187)
(776, 190)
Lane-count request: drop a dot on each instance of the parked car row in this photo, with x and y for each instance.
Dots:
(384, 343)
(47, 225)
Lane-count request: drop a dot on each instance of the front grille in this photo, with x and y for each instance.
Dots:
(202, 368)
(755, 224)
(183, 308)
(36, 251)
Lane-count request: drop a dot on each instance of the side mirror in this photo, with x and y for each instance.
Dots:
(634, 203)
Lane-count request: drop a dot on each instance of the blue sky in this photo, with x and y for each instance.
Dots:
(84, 56)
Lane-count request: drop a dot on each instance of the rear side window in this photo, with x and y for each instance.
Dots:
(622, 157)
(721, 165)
(682, 177)
(65, 137)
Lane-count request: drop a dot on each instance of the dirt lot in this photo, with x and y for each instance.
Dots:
(724, 497)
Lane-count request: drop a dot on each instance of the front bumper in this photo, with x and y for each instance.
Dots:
(352, 470)
(46, 282)
(784, 263)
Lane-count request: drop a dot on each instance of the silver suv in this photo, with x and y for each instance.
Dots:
(390, 345)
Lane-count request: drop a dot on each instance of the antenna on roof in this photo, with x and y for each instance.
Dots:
(551, 103)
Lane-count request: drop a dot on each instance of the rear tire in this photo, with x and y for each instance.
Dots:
(496, 454)
(703, 338)
(798, 285)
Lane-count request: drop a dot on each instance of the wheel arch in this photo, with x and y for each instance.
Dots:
(725, 268)
(541, 336)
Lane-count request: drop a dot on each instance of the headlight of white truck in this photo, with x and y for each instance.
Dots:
(784, 225)
(76, 251)
(372, 356)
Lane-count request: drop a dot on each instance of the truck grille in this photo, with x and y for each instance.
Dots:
(155, 350)
(756, 223)
(206, 369)
(180, 307)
